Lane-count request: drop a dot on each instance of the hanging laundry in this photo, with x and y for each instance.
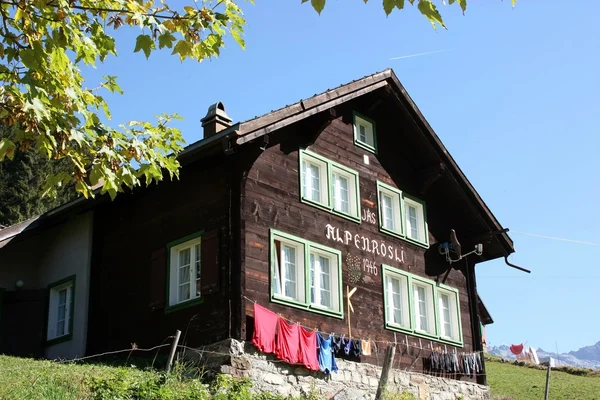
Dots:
(288, 341)
(347, 346)
(308, 349)
(337, 344)
(516, 349)
(366, 347)
(356, 349)
(326, 357)
(265, 323)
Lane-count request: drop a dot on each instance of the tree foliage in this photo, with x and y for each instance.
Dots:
(426, 7)
(45, 44)
(22, 180)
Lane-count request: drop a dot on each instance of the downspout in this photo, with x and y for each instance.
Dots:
(475, 322)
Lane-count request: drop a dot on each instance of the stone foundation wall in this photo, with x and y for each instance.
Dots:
(353, 381)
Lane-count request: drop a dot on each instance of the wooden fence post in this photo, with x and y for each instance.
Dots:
(173, 349)
(385, 371)
(547, 392)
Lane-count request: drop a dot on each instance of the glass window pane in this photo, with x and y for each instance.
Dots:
(316, 183)
(325, 282)
(421, 302)
(362, 133)
(289, 270)
(387, 211)
(341, 193)
(184, 292)
(184, 257)
(184, 274)
(412, 222)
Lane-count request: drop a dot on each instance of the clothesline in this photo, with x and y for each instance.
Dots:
(202, 352)
(403, 343)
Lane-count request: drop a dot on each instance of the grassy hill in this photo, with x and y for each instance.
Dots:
(36, 379)
(510, 381)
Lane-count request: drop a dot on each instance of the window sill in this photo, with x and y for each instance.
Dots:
(365, 146)
(305, 307)
(452, 342)
(60, 339)
(183, 305)
(326, 208)
(390, 232)
(425, 245)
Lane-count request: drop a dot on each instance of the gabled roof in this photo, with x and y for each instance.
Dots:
(246, 131)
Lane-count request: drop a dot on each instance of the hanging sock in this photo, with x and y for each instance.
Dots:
(366, 347)
(356, 351)
(326, 357)
(265, 323)
(288, 341)
(308, 349)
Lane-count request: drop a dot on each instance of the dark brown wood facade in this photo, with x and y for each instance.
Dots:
(272, 201)
(129, 261)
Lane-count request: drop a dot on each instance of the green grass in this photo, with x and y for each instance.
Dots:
(509, 381)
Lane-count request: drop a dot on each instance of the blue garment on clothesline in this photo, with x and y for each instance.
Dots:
(326, 357)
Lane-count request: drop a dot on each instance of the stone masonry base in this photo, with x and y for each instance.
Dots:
(354, 381)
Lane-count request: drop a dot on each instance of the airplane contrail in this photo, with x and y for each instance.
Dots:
(420, 54)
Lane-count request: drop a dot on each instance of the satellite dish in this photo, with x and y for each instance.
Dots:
(455, 247)
(455, 244)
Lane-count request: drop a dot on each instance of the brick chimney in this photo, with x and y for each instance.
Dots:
(216, 120)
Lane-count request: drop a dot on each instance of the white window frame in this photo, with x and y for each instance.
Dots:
(67, 284)
(329, 190)
(429, 307)
(404, 306)
(396, 196)
(189, 242)
(370, 135)
(304, 283)
(279, 270)
(353, 190)
(307, 183)
(422, 231)
(453, 311)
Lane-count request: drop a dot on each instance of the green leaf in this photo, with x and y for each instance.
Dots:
(7, 149)
(388, 6)
(38, 108)
(29, 59)
(166, 40)
(237, 36)
(183, 48)
(428, 9)
(318, 5)
(461, 3)
(144, 43)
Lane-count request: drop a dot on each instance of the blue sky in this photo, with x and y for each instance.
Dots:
(514, 98)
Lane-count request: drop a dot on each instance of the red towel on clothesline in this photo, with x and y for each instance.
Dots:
(265, 323)
(308, 349)
(516, 349)
(288, 342)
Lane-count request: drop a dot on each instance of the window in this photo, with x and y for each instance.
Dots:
(416, 227)
(185, 270)
(390, 207)
(305, 275)
(61, 308)
(364, 133)
(421, 307)
(402, 215)
(330, 186)
(424, 307)
(397, 307)
(448, 314)
(314, 180)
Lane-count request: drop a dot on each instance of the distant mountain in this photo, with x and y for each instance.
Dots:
(585, 357)
(591, 353)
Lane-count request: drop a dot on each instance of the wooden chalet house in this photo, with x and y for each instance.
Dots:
(347, 189)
